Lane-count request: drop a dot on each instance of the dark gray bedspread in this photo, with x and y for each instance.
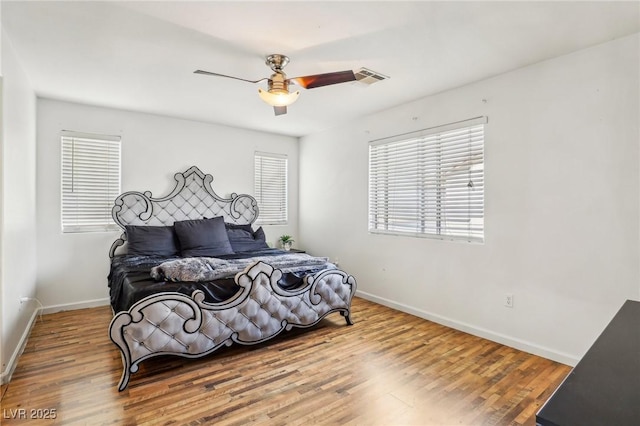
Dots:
(130, 278)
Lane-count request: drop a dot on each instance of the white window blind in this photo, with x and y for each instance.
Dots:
(271, 188)
(90, 181)
(429, 183)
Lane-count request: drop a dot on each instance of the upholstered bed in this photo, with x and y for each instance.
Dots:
(190, 274)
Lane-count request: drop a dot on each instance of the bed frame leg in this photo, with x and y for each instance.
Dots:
(124, 380)
(347, 316)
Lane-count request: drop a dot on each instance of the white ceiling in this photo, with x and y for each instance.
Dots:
(141, 56)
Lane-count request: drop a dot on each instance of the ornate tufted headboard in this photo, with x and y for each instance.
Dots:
(192, 198)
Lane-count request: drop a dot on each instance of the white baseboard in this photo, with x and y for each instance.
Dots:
(74, 306)
(5, 376)
(476, 331)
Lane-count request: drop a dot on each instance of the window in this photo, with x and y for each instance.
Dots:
(429, 183)
(271, 188)
(90, 181)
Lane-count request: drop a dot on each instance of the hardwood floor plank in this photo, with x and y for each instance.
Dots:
(390, 368)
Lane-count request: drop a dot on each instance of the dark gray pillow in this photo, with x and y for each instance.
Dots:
(259, 235)
(203, 237)
(152, 240)
(242, 238)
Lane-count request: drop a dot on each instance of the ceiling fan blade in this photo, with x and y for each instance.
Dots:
(215, 74)
(280, 110)
(319, 80)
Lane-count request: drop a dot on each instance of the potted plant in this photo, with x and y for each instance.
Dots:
(286, 241)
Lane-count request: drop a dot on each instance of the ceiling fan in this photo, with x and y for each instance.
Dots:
(277, 93)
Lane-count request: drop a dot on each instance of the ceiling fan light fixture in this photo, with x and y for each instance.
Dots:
(278, 98)
(277, 95)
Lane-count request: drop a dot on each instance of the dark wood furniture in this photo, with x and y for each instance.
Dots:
(604, 388)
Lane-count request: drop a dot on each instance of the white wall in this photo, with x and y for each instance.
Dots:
(73, 268)
(561, 214)
(18, 231)
(3, 363)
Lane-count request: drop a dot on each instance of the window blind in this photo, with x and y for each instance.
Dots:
(429, 183)
(270, 176)
(90, 181)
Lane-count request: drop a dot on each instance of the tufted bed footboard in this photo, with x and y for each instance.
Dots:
(175, 324)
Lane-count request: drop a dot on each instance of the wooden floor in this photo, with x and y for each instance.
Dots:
(390, 368)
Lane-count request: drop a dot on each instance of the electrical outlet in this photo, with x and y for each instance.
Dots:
(24, 299)
(508, 300)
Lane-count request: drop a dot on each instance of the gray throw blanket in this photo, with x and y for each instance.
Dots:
(196, 269)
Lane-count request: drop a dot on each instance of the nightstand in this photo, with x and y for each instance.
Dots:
(293, 250)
